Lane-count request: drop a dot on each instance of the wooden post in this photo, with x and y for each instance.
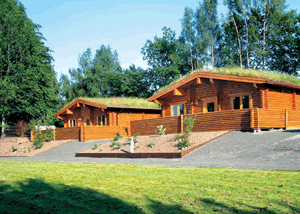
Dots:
(143, 116)
(286, 119)
(54, 133)
(129, 128)
(181, 123)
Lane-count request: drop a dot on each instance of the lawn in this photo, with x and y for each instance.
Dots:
(44, 187)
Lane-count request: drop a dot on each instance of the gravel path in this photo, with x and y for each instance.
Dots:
(264, 150)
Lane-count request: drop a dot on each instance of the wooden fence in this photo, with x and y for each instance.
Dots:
(62, 133)
(102, 132)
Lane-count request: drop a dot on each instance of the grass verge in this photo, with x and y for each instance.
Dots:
(44, 187)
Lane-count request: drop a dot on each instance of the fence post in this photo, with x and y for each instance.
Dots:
(286, 119)
(54, 133)
(181, 123)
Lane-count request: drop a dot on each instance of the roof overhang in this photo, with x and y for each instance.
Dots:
(77, 102)
(210, 76)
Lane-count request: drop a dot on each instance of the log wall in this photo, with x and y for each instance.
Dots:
(69, 133)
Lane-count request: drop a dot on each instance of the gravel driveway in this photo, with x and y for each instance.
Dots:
(264, 150)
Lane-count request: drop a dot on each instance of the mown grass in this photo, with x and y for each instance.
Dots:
(122, 101)
(243, 72)
(43, 187)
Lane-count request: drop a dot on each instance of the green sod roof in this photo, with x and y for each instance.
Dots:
(123, 101)
(243, 72)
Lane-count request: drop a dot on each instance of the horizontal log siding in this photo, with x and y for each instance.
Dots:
(206, 89)
(62, 133)
(67, 133)
(102, 132)
(280, 100)
(223, 120)
(148, 127)
(268, 118)
(293, 119)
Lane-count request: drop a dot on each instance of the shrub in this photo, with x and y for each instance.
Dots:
(32, 124)
(101, 150)
(39, 139)
(160, 130)
(118, 136)
(14, 149)
(49, 135)
(151, 144)
(24, 151)
(29, 149)
(189, 123)
(113, 143)
(135, 140)
(22, 128)
(136, 135)
(184, 141)
(119, 145)
(96, 146)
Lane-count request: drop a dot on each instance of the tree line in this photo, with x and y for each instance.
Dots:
(254, 34)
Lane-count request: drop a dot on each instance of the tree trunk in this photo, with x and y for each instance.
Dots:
(264, 39)
(247, 35)
(239, 41)
(212, 56)
(191, 57)
(2, 127)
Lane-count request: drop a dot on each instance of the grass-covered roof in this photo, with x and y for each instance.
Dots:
(122, 101)
(243, 72)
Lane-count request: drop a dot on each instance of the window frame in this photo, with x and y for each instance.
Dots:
(101, 120)
(178, 108)
(241, 95)
(207, 100)
(72, 123)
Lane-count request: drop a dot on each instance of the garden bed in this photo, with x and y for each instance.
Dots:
(166, 146)
(22, 144)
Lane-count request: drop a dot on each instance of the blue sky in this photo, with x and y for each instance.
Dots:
(70, 27)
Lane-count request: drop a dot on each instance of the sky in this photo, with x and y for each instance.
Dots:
(70, 26)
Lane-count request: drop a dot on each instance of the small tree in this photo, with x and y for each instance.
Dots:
(189, 124)
(160, 130)
(49, 135)
(39, 139)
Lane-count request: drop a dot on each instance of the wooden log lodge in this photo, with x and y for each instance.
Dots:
(225, 102)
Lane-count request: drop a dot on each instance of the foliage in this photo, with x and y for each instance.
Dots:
(14, 149)
(24, 151)
(5, 127)
(32, 124)
(49, 135)
(160, 130)
(119, 145)
(189, 123)
(121, 101)
(118, 136)
(164, 56)
(113, 144)
(22, 128)
(136, 135)
(39, 139)
(28, 82)
(29, 149)
(151, 144)
(96, 146)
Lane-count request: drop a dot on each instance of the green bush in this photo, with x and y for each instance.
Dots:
(160, 130)
(14, 149)
(24, 150)
(39, 139)
(151, 144)
(189, 123)
(184, 141)
(29, 149)
(113, 144)
(96, 146)
(49, 135)
(118, 136)
(119, 145)
(136, 135)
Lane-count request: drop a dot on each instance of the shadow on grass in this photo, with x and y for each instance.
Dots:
(220, 207)
(37, 196)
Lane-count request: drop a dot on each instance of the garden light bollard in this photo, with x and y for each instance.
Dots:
(132, 145)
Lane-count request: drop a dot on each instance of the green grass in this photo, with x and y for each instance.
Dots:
(243, 72)
(122, 101)
(44, 187)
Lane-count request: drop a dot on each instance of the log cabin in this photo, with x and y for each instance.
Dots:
(106, 111)
(225, 101)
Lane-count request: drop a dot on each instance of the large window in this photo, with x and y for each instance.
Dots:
(177, 109)
(210, 104)
(101, 120)
(211, 107)
(241, 102)
(72, 123)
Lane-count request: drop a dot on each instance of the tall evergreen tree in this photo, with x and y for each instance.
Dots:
(28, 86)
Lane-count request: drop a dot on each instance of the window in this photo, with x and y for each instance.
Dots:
(210, 104)
(87, 122)
(177, 109)
(241, 102)
(101, 120)
(210, 107)
(72, 123)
